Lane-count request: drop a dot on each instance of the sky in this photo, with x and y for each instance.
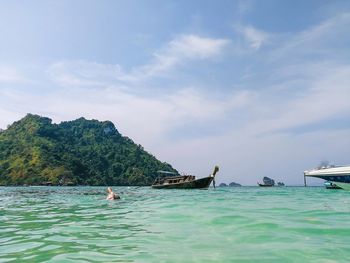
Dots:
(260, 88)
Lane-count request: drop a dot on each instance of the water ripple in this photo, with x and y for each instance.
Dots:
(245, 224)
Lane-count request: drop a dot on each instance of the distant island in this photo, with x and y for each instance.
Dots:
(233, 184)
(34, 151)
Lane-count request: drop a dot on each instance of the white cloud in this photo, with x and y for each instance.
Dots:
(318, 39)
(84, 73)
(194, 47)
(308, 79)
(322, 31)
(190, 104)
(323, 97)
(112, 93)
(180, 50)
(9, 74)
(254, 37)
(155, 116)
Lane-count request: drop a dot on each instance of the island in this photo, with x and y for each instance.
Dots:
(232, 184)
(35, 151)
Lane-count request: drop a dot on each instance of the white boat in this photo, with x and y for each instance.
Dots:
(338, 175)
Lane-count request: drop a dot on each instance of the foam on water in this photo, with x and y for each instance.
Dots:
(243, 224)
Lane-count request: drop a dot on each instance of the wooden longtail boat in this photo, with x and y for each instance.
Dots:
(183, 181)
(265, 185)
(268, 182)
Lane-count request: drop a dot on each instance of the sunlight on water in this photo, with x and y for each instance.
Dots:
(244, 224)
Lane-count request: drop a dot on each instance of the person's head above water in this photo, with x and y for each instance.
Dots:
(111, 195)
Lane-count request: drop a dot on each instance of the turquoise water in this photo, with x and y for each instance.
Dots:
(243, 224)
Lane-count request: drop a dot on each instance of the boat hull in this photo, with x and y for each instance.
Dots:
(265, 185)
(331, 185)
(333, 174)
(195, 184)
(345, 186)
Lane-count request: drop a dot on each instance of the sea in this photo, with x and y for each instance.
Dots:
(233, 224)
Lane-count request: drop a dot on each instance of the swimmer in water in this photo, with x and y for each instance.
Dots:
(111, 195)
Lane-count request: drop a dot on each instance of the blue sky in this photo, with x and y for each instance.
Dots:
(260, 88)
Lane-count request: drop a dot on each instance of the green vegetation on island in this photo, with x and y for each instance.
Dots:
(35, 151)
